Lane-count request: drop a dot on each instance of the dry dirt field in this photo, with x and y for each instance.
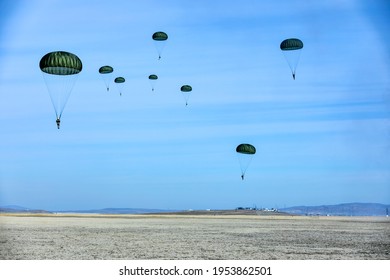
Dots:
(113, 237)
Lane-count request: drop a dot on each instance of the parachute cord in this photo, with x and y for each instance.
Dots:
(243, 166)
(242, 169)
(292, 61)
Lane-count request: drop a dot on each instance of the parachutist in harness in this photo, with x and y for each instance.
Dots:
(245, 153)
(186, 89)
(292, 50)
(56, 65)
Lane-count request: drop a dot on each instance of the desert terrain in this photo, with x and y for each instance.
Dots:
(192, 237)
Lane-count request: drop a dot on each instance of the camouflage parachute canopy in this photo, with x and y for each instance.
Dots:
(60, 63)
(160, 36)
(186, 88)
(119, 80)
(153, 77)
(291, 44)
(106, 69)
(246, 149)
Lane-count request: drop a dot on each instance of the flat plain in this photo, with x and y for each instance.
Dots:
(192, 237)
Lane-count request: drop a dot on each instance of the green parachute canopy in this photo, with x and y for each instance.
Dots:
(160, 36)
(153, 77)
(186, 88)
(291, 44)
(119, 80)
(60, 63)
(246, 149)
(106, 69)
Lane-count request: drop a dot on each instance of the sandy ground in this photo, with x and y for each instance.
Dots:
(103, 237)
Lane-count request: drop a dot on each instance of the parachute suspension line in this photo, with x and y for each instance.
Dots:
(60, 88)
(186, 96)
(160, 46)
(107, 83)
(296, 62)
(289, 65)
(241, 167)
(244, 163)
(46, 78)
(292, 58)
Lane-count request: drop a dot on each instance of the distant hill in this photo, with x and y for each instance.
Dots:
(20, 209)
(345, 209)
(13, 207)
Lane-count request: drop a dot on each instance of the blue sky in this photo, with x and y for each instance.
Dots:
(323, 138)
